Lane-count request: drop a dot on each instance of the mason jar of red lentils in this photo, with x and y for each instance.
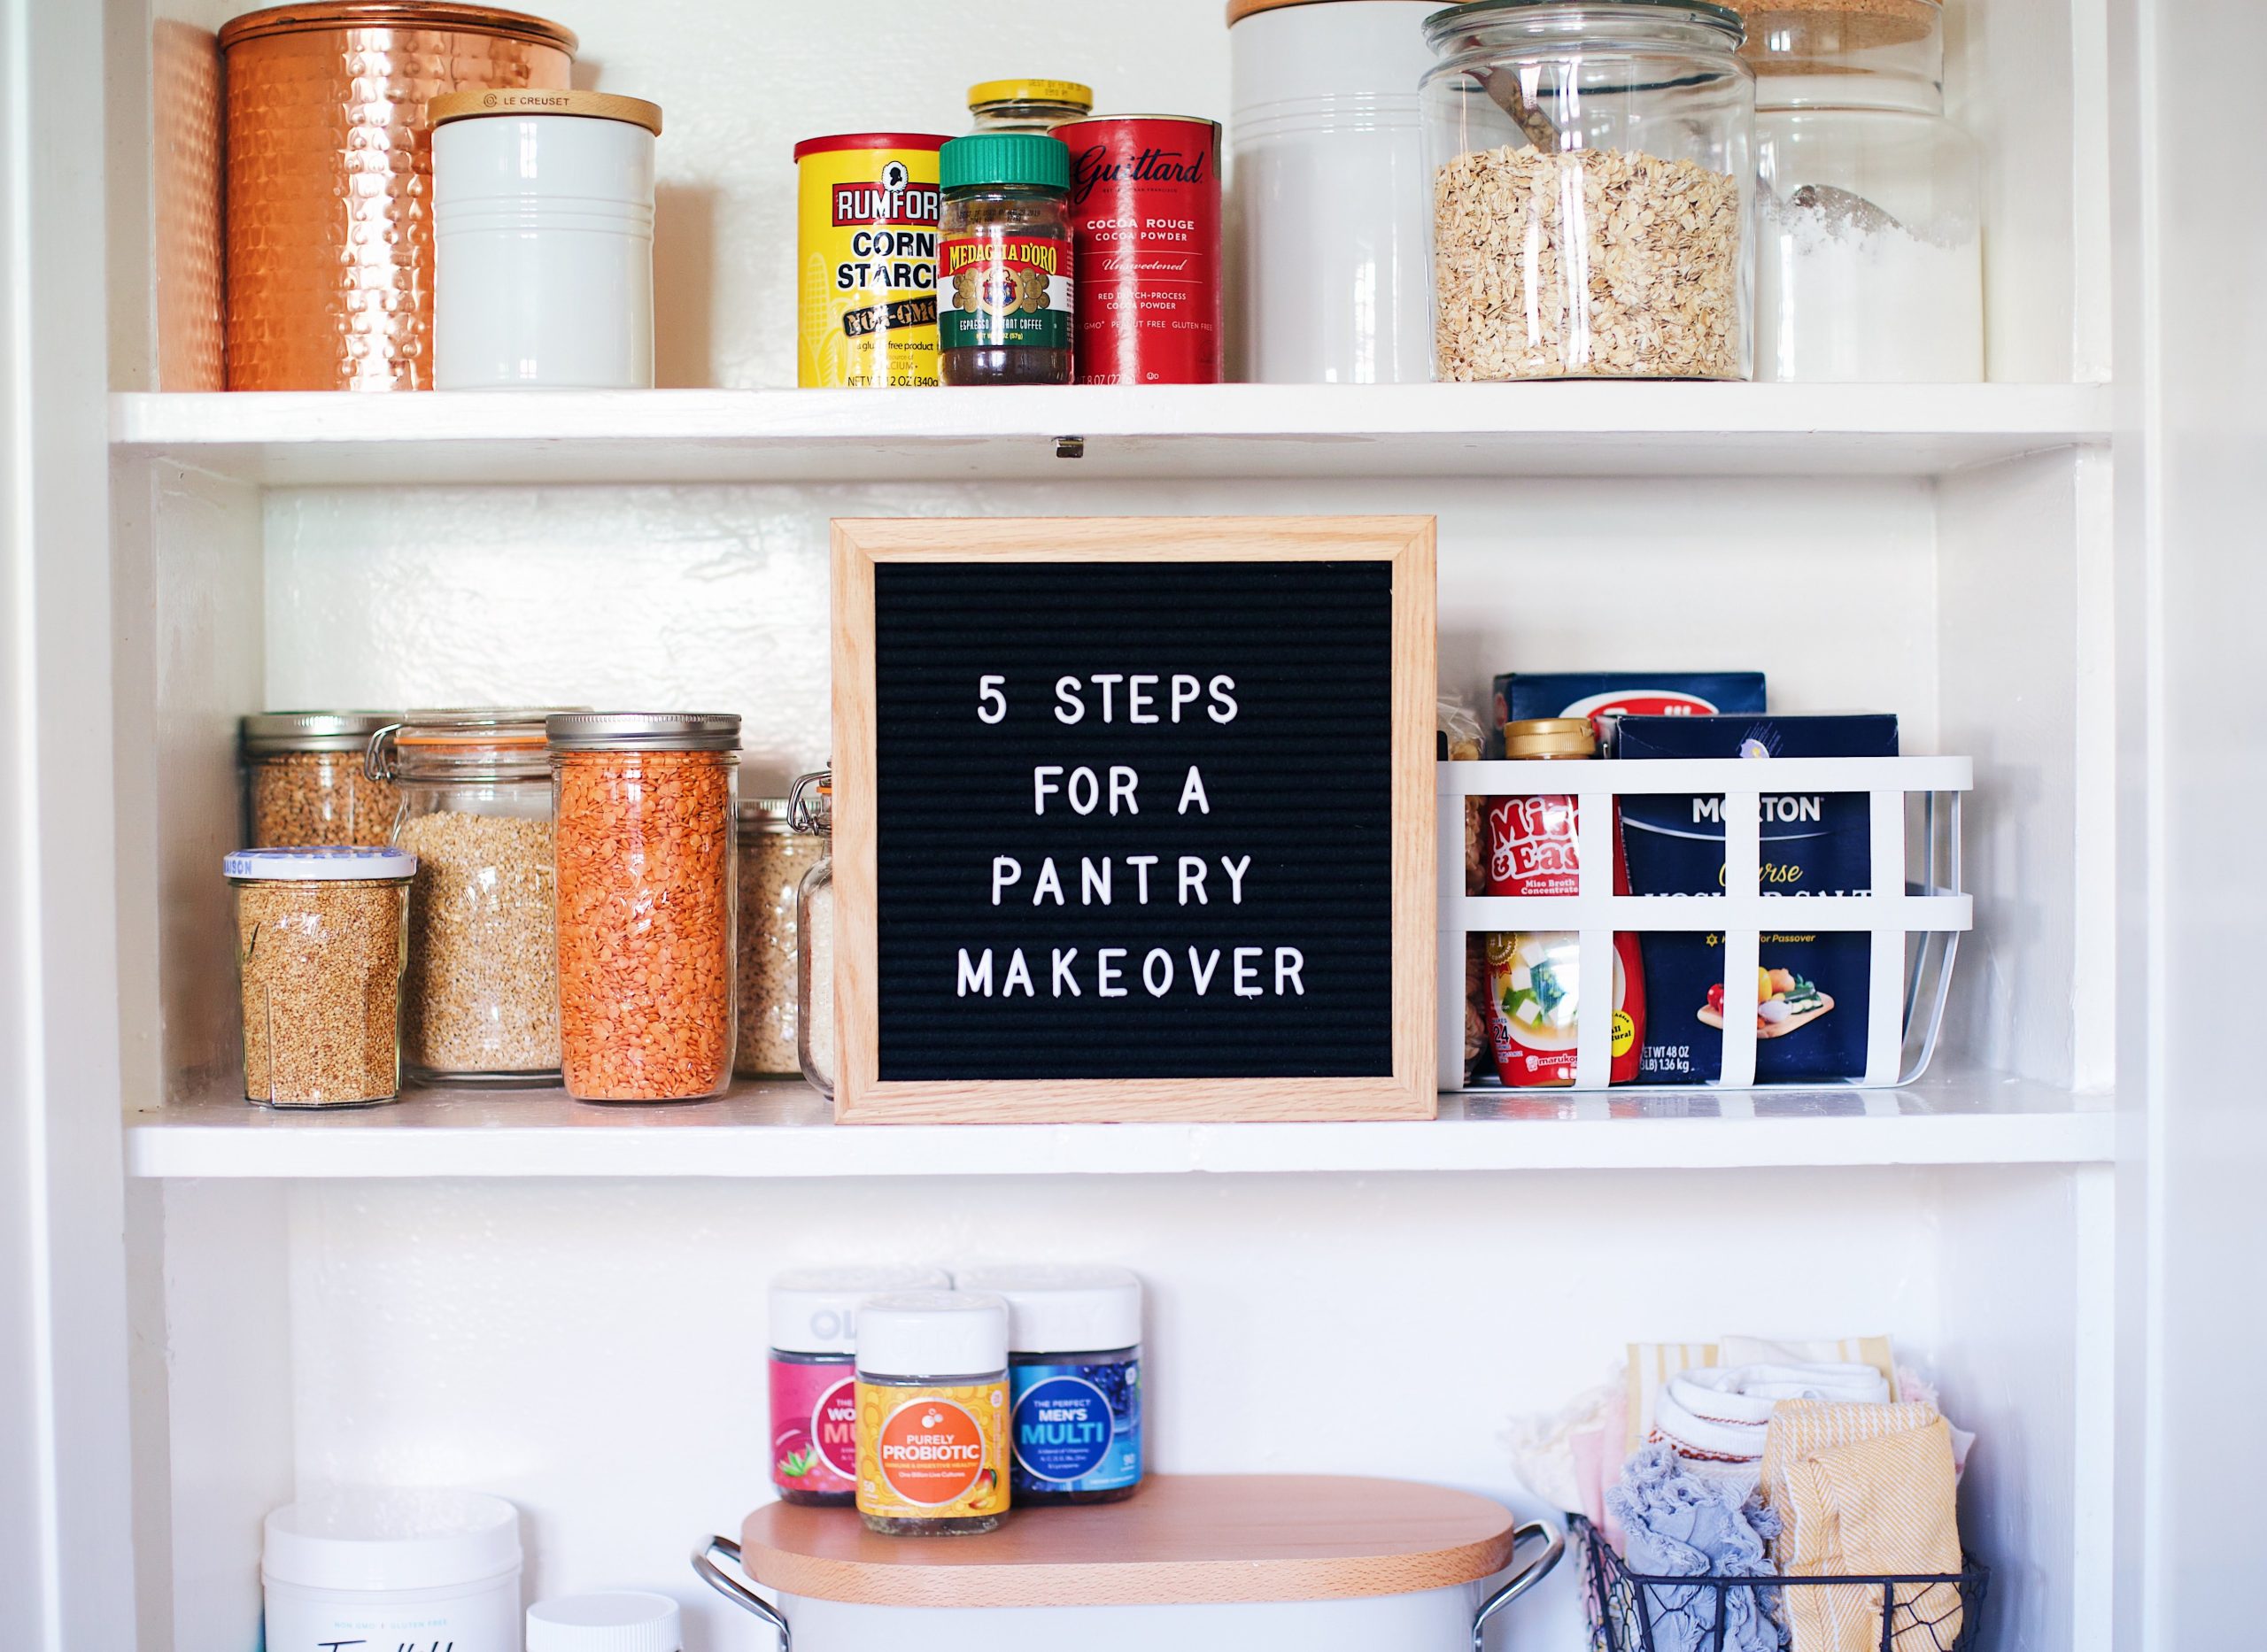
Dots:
(646, 906)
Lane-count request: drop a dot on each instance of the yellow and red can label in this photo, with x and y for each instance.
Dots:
(866, 256)
(932, 1453)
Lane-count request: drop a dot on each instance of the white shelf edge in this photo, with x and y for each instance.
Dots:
(1222, 430)
(763, 1131)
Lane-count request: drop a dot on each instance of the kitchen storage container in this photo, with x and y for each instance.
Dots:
(933, 1413)
(1629, 1612)
(1004, 279)
(813, 1333)
(645, 805)
(811, 808)
(329, 251)
(393, 1568)
(1592, 167)
(1075, 1380)
(1027, 105)
(773, 859)
(542, 225)
(306, 780)
(1869, 255)
(483, 1000)
(320, 944)
(1328, 209)
(1196, 1562)
(1914, 843)
(627, 1621)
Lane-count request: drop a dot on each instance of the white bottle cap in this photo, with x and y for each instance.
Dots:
(1064, 1310)
(628, 1621)
(932, 1333)
(815, 1311)
(391, 1538)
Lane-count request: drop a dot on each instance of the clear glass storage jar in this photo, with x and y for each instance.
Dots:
(645, 804)
(305, 782)
(483, 997)
(1592, 166)
(1027, 105)
(774, 858)
(811, 808)
(1870, 264)
(321, 947)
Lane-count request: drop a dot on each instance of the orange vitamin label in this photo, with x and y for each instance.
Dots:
(932, 1453)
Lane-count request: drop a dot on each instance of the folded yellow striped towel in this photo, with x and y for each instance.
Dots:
(1863, 1489)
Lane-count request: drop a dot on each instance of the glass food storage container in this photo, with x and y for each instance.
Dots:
(645, 804)
(321, 937)
(774, 858)
(1592, 173)
(304, 781)
(1869, 263)
(482, 996)
(811, 808)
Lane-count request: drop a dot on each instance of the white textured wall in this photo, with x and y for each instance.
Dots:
(595, 1351)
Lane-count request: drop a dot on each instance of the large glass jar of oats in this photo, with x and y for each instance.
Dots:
(1592, 167)
(482, 993)
(645, 804)
(305, 783)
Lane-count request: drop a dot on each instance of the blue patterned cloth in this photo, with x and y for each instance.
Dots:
(1677, 1525)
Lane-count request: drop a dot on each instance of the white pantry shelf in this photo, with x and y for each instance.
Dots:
(783, 1129)
(1024, 433)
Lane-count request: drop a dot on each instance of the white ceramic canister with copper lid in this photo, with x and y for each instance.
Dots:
(1329, 206)
(542, 215)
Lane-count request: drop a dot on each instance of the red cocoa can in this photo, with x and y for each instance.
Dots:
(1145, 226)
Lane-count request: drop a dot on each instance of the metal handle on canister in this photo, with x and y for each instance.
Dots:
(1525, 1578)
(733, 1589)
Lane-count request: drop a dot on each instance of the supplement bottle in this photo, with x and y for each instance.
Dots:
(933, 1413)
(814, 1316)
(1074, 1376)
(1003, 261)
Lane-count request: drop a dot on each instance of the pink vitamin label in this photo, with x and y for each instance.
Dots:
(814, 1427)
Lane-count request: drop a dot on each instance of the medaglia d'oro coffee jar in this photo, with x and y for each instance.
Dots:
(1074, 1342)
(813, 1321)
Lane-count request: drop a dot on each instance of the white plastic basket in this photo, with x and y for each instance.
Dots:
(1916, 820)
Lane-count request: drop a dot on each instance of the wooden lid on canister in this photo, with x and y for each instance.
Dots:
(1239, 9)
(537, 100)
(439, 16)
(1182, 1539)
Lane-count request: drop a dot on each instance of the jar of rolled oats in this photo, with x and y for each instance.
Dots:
(1592, 166)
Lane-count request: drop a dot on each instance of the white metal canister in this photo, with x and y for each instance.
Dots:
(1328, 200)
(391, 1568)
(543, 228)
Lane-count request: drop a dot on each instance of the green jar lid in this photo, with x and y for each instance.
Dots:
(1025, 157)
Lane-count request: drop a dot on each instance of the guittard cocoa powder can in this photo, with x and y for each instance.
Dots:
(1145, 223)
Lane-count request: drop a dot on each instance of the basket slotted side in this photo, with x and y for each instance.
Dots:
(1629, 1612)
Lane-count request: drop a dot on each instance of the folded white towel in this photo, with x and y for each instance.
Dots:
(1717, 1417)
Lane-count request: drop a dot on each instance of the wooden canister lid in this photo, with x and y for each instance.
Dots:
(1182, 1539)
(438, 16)
(1239, 9)
(537, 100)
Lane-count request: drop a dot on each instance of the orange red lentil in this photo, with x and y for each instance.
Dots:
(645, 845)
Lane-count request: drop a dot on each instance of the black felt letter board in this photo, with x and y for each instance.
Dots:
(1299, 780)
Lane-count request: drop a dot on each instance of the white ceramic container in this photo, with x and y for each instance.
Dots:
(543, 225)
(393, 1568)
(1328, 199)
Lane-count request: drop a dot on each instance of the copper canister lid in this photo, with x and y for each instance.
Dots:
(419, 14)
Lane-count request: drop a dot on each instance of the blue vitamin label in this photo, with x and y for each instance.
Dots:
(1078, 1427)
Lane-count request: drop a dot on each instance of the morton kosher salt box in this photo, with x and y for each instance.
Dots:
(1605, 697)
(1809, 997)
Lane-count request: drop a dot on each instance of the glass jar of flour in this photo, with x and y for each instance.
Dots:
(1870, 264)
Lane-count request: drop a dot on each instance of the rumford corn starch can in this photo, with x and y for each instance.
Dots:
(867, 216)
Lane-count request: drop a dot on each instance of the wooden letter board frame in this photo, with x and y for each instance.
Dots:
(1409, 1093)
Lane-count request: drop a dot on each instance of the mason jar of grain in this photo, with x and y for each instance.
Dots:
(645, 804)
(305, 782)
(475, 786)
(773, 858)
(1593, 166)
(320, 946)
(811, 809)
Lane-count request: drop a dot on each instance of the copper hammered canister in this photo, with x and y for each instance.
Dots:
(330, 211)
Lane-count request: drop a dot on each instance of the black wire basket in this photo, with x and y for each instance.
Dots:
(1929, 1612)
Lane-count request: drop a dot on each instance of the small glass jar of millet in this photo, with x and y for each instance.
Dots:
(1003, 260)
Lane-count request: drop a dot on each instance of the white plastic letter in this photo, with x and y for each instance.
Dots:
(1050, 881)
(1202, 973)
(1141, 863)
(1019, 975)
(1157, 955)
(1092, 883)
(1093, 792)
(1041, 787)
(1288, 961)
(1247, 976)
(1192, 880)
(1235, 871)
(1005, 871)
(976, 977)
(1106, 972)
(1068, 706)
(1122, 782)
(1185, 691)
(1064, 957)
(1192, 790)
(991, 705)
(1223, 709)
(1136, 697)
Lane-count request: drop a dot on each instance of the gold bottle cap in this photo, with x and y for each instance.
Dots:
(1551, 737)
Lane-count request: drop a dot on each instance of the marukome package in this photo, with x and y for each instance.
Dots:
(1809, 997)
